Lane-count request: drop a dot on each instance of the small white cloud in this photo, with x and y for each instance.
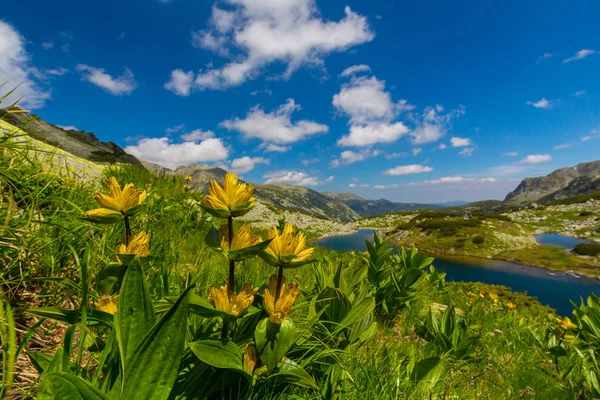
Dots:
(455, 179)
(390, 156)
(561, 146)
(276, 126)
(175, 129)
(543, 57)
(460, 142)
(57, 71)
(594, 134)
(181, 82)
(511, 154)
(442, 146)
(349, 157)
(355, 69)
(196, 135)
(416, 151)
(291, 177)
(124, 84)
(365, 135)
(68, 127)
(48, 45)
(542, 103)
(468, 152)
(352, 185)
(171, 155)
(580, 55)
(580, 93)
(434, 123)
(330, 179)
(246, 164)
(273, 148)
(536, 159)
(408, 169)
(310, 161)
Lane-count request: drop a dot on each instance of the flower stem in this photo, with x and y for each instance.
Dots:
(231, 281)
(127, 231)
(279, 283)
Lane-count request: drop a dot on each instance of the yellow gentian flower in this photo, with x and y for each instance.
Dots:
(241, 239)
(232, 200)
(138, 246)
(511, 305)
(279, 311)
(186, 187)
(494, 297)
(566, 323)
(119, 202)
(107, 303)
(235, 305)
(188, 178)
(470, 294)
(287, 249)
(249, 359)
(569, 337)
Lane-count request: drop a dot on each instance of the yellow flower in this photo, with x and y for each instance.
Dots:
(233, 199)
(569, 337)
(511, 305)
(137, 247)
(107, 303)
(188, 178)
(118, 202)
(186, 187)
(279, 311)
(482, 295)
(471, 294)
(493, 297)
(241, 239)
(249, 359)
(287, 249)
(235, 305)
(566, 323)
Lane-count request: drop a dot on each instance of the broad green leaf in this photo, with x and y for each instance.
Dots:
(424, 367)
(279, 339)
(154, 365)
(214, 352)
(291, 373)
(248, 252)
(136, 314)
(40, 361)
(201, 306)
(336, 305)
(72, 316)
(63, 386)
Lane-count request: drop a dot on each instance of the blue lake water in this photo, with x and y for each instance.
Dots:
(556, 240)
(551, 288)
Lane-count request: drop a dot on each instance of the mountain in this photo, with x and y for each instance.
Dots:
(577, 187)
(455, 203)
(367, 208)
(532, 189)
(81, 144)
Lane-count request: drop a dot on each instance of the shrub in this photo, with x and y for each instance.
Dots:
(587, 249)
(459, 244)
(585, 213)
(478, 240)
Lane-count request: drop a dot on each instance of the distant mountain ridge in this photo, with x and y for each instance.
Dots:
(368, 208)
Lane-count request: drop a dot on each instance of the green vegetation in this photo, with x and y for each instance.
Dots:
(582, 198)
(587, 249)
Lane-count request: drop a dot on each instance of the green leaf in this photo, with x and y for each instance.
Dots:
(424, 367)
(40, 361)
(72, 316)
(293, 374)
(106, 219)
(110, 278)
(336, 305)
(136, 314)
(201, 306)
(214, 352)
(212, 238)
(63, 386)
(248, 252)
(219, 213)
(273, 345)
(154, 366)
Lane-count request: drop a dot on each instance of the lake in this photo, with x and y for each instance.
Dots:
(551, 288)
(556, 240)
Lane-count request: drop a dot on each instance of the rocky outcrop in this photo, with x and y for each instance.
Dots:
(531, 189)
(79, 143)
(578, 186)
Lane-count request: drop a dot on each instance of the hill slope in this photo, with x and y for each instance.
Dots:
(367, 208)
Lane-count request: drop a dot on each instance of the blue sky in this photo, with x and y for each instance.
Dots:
(409, 101)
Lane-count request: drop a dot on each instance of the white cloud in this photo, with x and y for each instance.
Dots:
(355, 69)
(416, 151)
(68, 127)
(456, 179)
(468, 152)
(365, 135)
(352, 185)
(460, 142)
(57, 71)
(580, 55)
(124, 84)
(171, 155)
(16, 70)
(48, 45)
(542, 103)
(181, 82)
(291, 177)
(310, 161)
(580, 93)
(395, 155)
(561, 146)
(408, 169)
(349, 157)
(256, 34)
(276, 126)
(594, 134)
(273, 148)
(543, 57)
(246, 164)
(442, 146)
(330, 179)
(175, 129)
(196, 135)
(511, 154)
(434, 123)
(536, 159)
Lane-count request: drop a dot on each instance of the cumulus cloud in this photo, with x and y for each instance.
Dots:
(349, 157)
(255, 34)
(561, 146)
(246, 164)
(433, 124)
(580, 55)
(468, 152)
(196, 135)
(408, 169)
(273, 148)
(292, 178)
(181, 82)
(416, 151)
(536, 159)
(542, 103)
(16, 69)
(124, 84)
(365, 135)
(163, 152)
(460, 142)
(274, 127)
(443, 146)
(355, 69)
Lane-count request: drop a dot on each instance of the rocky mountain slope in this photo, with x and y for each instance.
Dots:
(81, 144)
(367, 208)
(531, 189)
